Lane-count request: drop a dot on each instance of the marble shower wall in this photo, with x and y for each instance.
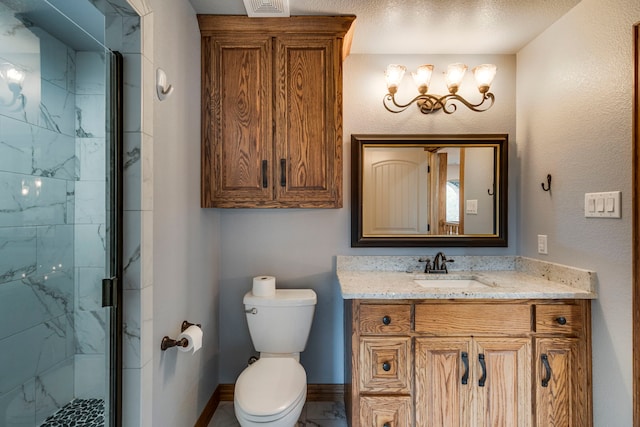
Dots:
(51, 224)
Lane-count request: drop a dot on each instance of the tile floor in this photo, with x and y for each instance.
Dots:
(314, 414)
(78, 412)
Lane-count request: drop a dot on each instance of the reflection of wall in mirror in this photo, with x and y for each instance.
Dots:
(478, 178)
(396, 197)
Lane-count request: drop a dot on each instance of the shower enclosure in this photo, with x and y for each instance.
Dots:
(60, 188)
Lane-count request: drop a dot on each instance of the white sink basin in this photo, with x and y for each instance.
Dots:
(450, 283)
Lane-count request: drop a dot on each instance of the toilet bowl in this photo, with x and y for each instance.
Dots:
(271, 392)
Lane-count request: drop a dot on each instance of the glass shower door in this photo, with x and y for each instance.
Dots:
(58, 218)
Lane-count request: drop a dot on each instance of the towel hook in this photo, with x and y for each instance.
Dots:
(163, 89)
(548, 183)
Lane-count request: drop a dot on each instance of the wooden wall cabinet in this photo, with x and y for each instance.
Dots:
(272, 111)
(474, 363)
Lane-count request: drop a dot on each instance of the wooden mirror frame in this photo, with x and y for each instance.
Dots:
(501, 211)
(636, 225)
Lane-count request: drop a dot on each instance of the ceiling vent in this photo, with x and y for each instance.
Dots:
(267, 8)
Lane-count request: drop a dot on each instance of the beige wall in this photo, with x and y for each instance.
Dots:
(185, 237)
(574, 122)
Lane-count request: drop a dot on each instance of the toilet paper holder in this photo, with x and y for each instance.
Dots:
(169, 342)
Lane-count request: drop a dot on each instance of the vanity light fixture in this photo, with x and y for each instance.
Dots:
(428, 103)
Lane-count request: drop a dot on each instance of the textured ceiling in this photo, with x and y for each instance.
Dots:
(427, 26)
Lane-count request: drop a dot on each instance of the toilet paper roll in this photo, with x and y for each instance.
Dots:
(264, 286)
(193, 335)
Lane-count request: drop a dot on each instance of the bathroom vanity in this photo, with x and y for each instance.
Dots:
(498, 341)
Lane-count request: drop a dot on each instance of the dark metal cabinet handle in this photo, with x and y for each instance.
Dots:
(465, 362)
(547, 368)
(386, 366)
(265, 165)
(283, 172)
(386, 425)
(386, 320)
(561, 320)
(483, 365)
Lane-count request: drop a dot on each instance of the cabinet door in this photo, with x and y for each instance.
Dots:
(308, 121)
(237, 120)
(503, 381)
(444, 382)
(561, 384)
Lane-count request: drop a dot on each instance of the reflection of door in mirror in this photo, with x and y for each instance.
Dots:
(397, 191)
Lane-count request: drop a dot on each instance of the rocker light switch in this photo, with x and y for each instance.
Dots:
(602, 205)
(472, 207)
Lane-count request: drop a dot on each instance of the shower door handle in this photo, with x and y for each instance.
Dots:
(109, 291)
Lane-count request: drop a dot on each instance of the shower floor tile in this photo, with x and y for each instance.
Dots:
(314, 414)
(78, 413)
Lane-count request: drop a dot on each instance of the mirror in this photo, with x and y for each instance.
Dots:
(429, 190)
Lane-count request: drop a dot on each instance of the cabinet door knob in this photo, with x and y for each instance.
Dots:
(561, 320)
(386, 320)
(386, 366)
(386, 425)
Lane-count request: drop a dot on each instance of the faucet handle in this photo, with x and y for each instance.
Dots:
(427, 266)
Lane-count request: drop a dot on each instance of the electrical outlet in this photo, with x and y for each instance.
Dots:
(542, 244)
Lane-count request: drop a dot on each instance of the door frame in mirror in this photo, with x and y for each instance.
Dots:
(499, 239)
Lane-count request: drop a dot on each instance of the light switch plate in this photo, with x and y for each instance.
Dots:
(542, 244)
(602, 205)
(472, 207)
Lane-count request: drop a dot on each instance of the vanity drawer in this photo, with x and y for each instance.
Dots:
(385, 365)
(385, 411)
(385, 319)
(473, 319)
(563, 318)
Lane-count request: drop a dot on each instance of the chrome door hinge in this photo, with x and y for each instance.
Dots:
(109, 292)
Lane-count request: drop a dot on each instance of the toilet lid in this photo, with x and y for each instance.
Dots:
(270, 386)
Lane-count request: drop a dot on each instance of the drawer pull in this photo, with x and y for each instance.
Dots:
(547, 368)
(386, 320)
(465, 362)
(386, 425)
(561, 320)
(483, 365)
(386, 366)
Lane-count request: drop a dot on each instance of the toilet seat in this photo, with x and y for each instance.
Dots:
(270, 388)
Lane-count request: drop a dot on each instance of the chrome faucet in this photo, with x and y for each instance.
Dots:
(439, 264)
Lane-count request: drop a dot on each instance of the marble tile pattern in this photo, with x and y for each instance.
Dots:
(506, 278)
(52, 224)
(314, 414)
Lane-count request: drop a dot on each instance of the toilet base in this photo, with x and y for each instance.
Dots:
(288, 420)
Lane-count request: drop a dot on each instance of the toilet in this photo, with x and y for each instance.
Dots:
(272, 391)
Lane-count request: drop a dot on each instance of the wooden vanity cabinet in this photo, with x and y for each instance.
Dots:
(474, 363)
(272, 111)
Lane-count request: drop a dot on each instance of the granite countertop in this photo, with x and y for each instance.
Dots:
(380, 277)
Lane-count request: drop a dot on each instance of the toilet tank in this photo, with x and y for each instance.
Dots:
(280, 323)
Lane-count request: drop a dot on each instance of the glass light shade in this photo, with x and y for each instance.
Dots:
(484, 75)
(422, 77)
(394, 75)
(455, 73)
